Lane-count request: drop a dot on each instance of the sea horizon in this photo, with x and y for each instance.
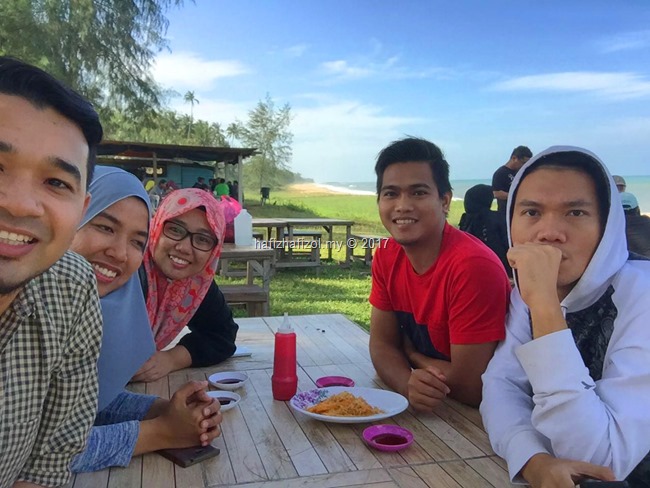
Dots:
(637, 185)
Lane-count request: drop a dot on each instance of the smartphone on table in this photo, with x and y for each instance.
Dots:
(603, 484)
(188, 456)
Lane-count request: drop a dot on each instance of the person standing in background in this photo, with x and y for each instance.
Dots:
(620, 183)
(234, 190)
(502, 178)
(637, 226)
(200, 184)
(222, 188)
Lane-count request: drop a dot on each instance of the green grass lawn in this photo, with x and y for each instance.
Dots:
(333, 289)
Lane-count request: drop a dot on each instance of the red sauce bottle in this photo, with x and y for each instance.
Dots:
(284, 381)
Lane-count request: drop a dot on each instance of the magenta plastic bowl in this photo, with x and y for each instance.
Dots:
(388, 437)
(326, 381)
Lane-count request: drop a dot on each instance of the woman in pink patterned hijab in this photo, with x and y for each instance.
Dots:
(180, 262)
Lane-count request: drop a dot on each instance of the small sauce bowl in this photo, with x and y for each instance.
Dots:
(388, 437)
(228, 380)
(227, 399)
(327, 381)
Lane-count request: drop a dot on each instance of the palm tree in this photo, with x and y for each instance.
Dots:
(191, 99)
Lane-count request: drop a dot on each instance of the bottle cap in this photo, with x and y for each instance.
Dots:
(285, 327)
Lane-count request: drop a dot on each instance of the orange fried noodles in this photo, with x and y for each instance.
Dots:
(344, 404)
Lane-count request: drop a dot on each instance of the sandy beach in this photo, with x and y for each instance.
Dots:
(307, 189)
(320, 189)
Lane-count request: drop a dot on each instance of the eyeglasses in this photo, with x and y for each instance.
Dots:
(199, 241)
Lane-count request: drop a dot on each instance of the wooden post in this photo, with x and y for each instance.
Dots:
(240, 187)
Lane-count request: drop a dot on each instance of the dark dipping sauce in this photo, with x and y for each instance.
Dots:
(229, 381)
(389, 439)
(225, 401)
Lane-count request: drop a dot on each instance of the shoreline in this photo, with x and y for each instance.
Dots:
(308, 189)
(322, 189)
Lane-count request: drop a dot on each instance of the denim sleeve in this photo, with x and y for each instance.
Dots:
(112, 440)
(108, 445)
(126, 406)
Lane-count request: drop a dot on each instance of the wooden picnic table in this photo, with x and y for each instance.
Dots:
(259, 262)
(328, 225)
(270, 224)
(264, 443)
(290, 224)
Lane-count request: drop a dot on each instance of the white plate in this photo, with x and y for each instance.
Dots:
(390, 402)
(219, 380)
(230, 397)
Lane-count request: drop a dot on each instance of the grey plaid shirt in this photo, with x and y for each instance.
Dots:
(49, 343)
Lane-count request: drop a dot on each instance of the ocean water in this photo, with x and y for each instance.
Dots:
(638, 185)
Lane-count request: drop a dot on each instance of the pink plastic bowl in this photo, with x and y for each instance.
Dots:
(326, 381)
(388, 437)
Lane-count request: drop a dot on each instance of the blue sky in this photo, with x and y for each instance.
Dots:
(476, 77)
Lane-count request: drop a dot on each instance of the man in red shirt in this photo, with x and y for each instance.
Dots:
(439, 296)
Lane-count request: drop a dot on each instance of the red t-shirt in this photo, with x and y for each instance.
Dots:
(461, 299)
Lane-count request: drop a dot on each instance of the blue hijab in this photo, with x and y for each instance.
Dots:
(127, 341)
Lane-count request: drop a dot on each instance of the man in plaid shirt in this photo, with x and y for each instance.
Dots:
(50, 321)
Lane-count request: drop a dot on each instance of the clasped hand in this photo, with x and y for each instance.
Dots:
(427, 388)
(191, 416)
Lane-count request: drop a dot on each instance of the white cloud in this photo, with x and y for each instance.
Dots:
(189, 71)
(221, 111)
(626, 41)
(342, 70)
(296, 51)
(340, 139)
(608, 85)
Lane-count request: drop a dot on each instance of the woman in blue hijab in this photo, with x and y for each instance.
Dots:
(112, 237)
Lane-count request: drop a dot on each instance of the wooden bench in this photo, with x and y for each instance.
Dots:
(368, 244)
(254, 297)
(312, 234)
(299, 257)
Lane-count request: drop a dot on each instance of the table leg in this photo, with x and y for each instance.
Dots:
(330, 231)
(250, 271)
(348, 249)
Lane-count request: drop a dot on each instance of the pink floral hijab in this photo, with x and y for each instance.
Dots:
(171, 304)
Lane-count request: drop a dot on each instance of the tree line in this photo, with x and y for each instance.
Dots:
(104, 49)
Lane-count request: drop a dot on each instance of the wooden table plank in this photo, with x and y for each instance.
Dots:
(436, 477)
(450, 436)
(245, 462)
(91, 480)
(465, 475)
(277, 462)
(157, 472)
(431, 443)
(356, 449)
(407, 478)
(491, 471)
(469, 430)
(334, 480)
(300, 450)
